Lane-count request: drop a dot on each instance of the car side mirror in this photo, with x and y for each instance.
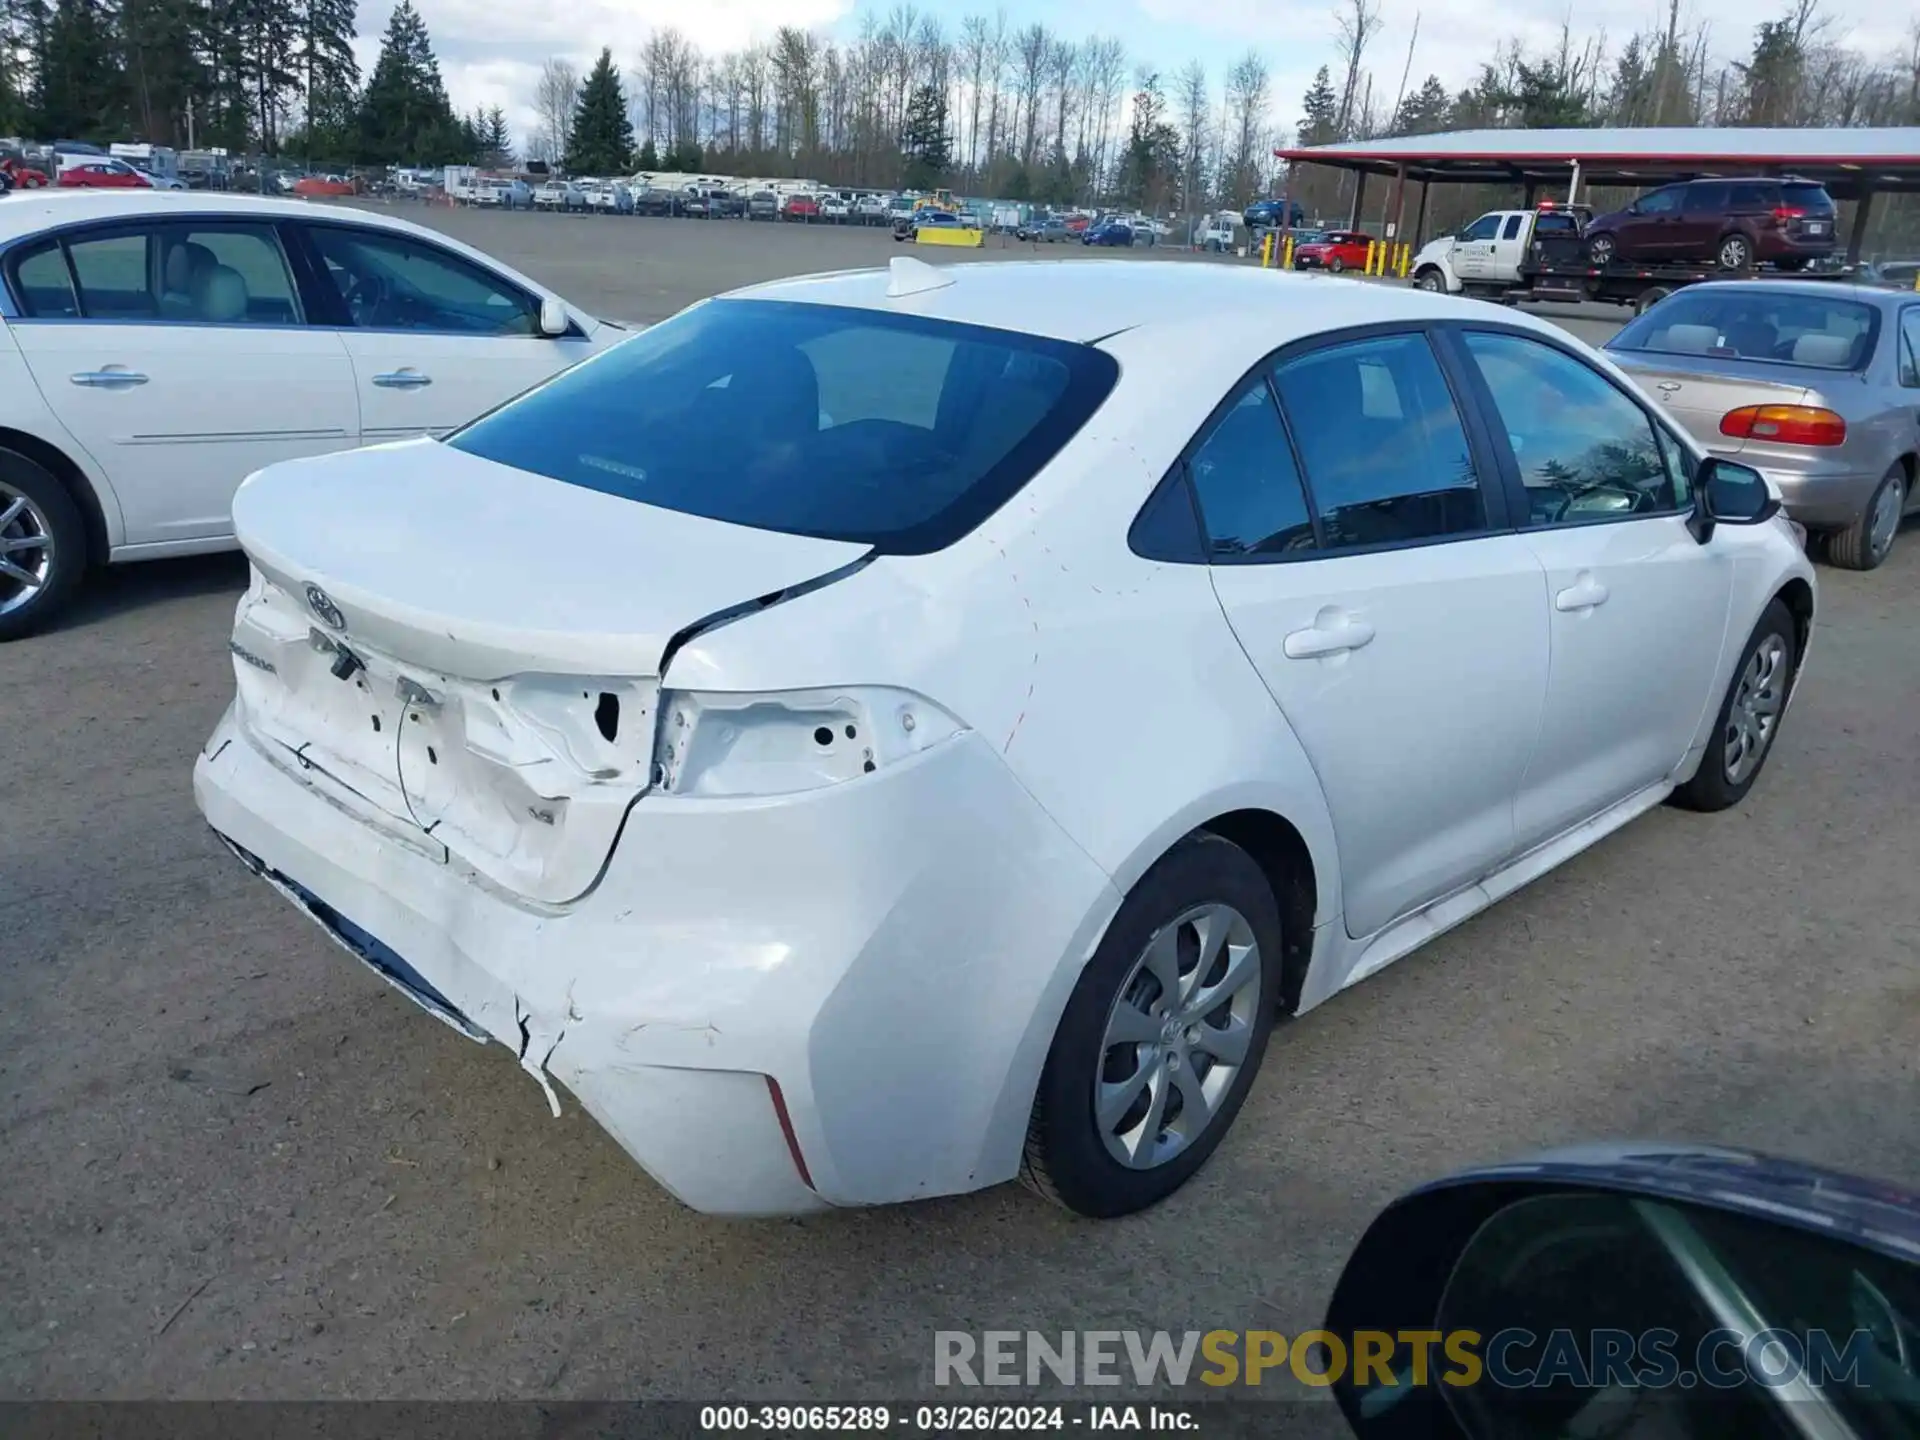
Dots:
(554, 319)
(1735, 494)
(1608, 1289)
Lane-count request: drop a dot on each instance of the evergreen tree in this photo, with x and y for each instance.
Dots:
(1320, 122)
(329, 75)
(404, 116)
(78, 91)
(160, 39)
(267, 34)
(925, 142)
(602, 137)
(1425, 111)
(648, 159)
(1151, 162)
(496, 141)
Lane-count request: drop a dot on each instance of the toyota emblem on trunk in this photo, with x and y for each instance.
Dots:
(322, 605)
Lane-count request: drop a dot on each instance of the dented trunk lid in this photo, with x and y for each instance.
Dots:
(468, 655)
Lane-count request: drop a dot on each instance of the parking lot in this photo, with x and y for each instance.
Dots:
(237, 1165)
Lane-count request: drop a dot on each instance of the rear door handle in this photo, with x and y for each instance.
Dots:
(403, 379)
(1585, 593)
(1328, 636)
(110, 378)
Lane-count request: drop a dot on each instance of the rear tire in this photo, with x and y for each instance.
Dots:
(43, 546)
(1150, 1053)
(1649, 298)
(1749, 718)
(1337, 265)
(1866, 543)
(1735, 252)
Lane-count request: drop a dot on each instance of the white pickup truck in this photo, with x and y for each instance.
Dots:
(1486, 257)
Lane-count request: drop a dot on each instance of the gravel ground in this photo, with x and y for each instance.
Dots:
(235, 1164)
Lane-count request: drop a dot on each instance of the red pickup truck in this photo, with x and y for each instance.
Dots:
(801, 207)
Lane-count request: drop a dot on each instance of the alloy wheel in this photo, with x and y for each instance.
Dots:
(1735, 253)
(1600, 249)
(1885, 519)
(26, 550)
(1754, 715)
(1177, 1035)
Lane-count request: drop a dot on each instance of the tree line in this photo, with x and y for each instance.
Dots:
(1020, 112)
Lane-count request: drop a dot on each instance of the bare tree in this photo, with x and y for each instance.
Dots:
(554, 96)
(976, 43)
(1249, 95)
(1031, 48)
(1193, 103)
(1358, 22)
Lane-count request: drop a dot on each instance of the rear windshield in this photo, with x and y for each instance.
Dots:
(887, 430)
(1756, 323)
(1803, 195)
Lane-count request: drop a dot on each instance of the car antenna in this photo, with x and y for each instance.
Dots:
(908, 276)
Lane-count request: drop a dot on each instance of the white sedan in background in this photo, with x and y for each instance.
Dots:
(875, 735)
(155, 350)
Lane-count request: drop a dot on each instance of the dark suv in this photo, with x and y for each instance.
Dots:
(1735, 224)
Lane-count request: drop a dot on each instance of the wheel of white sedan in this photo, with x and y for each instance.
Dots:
(1162, 1036)
(43, 546)
(1750, 716)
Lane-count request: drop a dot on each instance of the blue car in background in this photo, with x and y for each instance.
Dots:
(1272, 215)
(1109, 232)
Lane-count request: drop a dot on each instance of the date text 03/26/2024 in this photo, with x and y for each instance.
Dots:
(941, 1419)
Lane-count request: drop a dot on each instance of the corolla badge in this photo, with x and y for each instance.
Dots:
(322, 605)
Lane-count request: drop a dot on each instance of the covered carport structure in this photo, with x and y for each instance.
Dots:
(1855, 165)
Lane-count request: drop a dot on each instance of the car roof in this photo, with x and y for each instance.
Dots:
(27, 212)
(1087, 300)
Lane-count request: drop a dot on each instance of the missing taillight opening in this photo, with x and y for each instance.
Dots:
(606, 716)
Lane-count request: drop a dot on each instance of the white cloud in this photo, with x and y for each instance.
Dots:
(490, 52)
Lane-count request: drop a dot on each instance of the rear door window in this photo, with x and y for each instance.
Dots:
(1386, 457)
(1910, 346)
(1513, 227)
(1751, 197)
(1708, 199)
(848, 424)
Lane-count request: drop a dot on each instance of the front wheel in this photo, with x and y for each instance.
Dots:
(1600, 250)
(1864, 544)
(1162, 1036)
(1428, 280)
(1749, 718)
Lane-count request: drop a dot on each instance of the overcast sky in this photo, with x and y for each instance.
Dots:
(491, 51)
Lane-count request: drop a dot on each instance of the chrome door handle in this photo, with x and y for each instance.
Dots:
(402, 380)
(108, 379)
(1329, 636)
(1585, 593)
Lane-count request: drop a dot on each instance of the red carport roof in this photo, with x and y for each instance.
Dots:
(1886, 159)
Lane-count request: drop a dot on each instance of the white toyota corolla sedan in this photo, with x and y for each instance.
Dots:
(156, 349)
(876, 735)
